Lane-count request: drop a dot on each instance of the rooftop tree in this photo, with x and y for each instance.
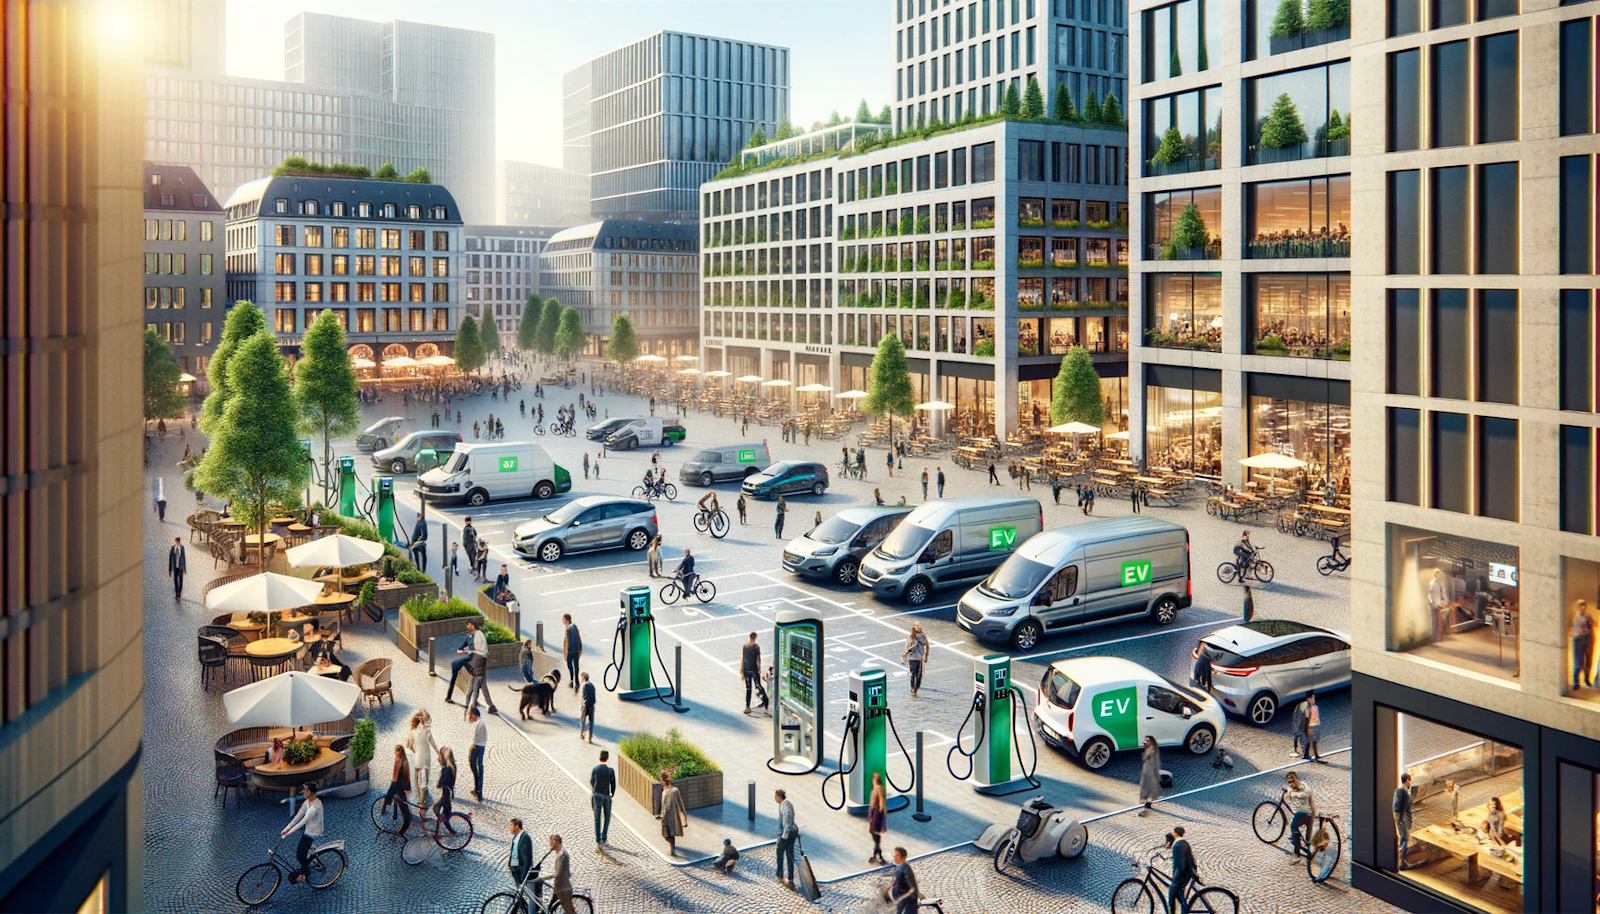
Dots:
(1011, 105)
(469, 345)
(863, 113)
(1111, 111)
(1091, 109)
(1033, 101)
(325, 388)
(162, 398)
(387, 172)
(1288, 21)
(758, 137)
(885, 116)
(785, 130)
(419, 175)
(1065, 111)
(244, 321)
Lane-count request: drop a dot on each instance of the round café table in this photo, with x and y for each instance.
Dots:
(273, 651)
(281, 775)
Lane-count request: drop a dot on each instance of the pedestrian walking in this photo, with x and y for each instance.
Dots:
(903, 890)
(1313, 746)
(673, 817)
(1184, 874)
(479, 668)
(817, 521)
(571, 648)
(924, 483)
(890, 460)
(585, 464)
(653, 557)
(1201, 672)
(915, 656)
(525, 660)
(877, 817)
(1297, 725)
(1055, 491)
(939, 479)
(177, 566)
(1133, 496)
(560, 877)
(420, 748)
(777, 522)
(419, 545)
(1149, 775)
(161, 499)
(740, 505)
(1249, 604)
(447, 787)
(480, 748)
(992, 477)
(455, 567)
(750, 671)
(1402, 817)
(400, 788)
(788, 834)
(1582, 647)
(1303, 810)
(483, 561)
(1088, 500)
(309, 817)
(602, 787)
(586, 697)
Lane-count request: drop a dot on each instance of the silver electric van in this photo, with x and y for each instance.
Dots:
(947, 542)
(1087, 574)
(725, 462)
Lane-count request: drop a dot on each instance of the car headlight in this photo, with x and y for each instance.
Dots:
(828, 551)
(898, 569)
(1004, 611)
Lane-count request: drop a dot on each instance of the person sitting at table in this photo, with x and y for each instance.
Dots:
(1496, 826)
(275, 754)
(326, 649)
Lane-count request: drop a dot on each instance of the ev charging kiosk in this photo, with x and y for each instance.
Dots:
(347, 486)
(992, 765)
(869, 701)
(797, 679)
(637, 629)
(383, 506)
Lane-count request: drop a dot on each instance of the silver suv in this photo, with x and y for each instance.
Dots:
(588, 524)
(834, 549)
(1259, 666)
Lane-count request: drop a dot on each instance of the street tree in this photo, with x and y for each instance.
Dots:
(624, 344)
(570, 337)
(549, 323)
(162, 398)
(255, 459)
(528, 324)
(469, 345)
(889, 388)
(489, 330)
(1076, 395)
(325, 389)
(244, 321)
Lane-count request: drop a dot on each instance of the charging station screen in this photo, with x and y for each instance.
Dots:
(799, 650)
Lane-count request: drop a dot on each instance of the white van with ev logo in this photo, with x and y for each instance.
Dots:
(947, 542)
(1094, 706)
(1087, 574)
(477, 473)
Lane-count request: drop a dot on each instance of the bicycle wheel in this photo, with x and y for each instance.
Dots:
(1325, 566)
(325, 867)
(700, 522)
(640, 492)
(1226, 572)
(453, 833)
(719, 524)
(1132, 897)
(1263, 571)
(538, 430)
(258, 883)
(1269, 822)
(670, 592)
(582, 905)
(1212, 900)
(671, 491)
(391, 822)
(504, 903)
(1002, 854)
(705, 591)
(1321, 865)
(419, 848)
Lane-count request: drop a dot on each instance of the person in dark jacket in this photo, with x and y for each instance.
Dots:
(447, 787)
(1183, 870)
(1202, 670)
(1402, 816)
(177, 566)
(521, 858)
(903, 890)
(419, 544)
(602, 787)
(750, 671)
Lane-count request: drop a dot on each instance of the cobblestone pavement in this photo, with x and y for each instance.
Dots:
(197, 848)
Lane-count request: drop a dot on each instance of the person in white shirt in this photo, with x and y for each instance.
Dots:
(422, 748)
(308, 817)
(480, 746)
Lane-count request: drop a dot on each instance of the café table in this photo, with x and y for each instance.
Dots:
(323, 669)
(275, 650)
(277, 775)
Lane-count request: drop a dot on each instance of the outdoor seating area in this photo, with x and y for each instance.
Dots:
(243, 759)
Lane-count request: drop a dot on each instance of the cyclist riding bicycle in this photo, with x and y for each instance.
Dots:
(1243, 552)
(710, 510)
(1338, 554)
(684, 573)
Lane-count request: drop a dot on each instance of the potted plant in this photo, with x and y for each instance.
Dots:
(1288, 25)
(1329, 20)
(1189, 236)
(504, 648)
(300, 751)
(1272, 344)
(643, 756)
(1282, 130)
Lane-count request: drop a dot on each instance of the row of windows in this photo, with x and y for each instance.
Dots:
(339, 236)
(785, 191)
(1410, 16)
(1462, 77)
(802, 223)
(498, 261)
(1020, 10)
(173, 297)
(361, 210)
(1464, 463)
(174, 264)
(1300, 217)
(1287, 315)
(365, 265)
(364, 291)
(394, 320)
(924, 77)
(176, 229)
(1462, 346)
(1472, 225)
(816, 258)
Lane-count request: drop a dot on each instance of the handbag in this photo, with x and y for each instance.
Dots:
(804, 879)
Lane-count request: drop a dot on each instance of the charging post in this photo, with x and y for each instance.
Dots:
(869, 698)
(992, 764)
(347, 486)
(637, 630)
(797, 679)
(383, 506)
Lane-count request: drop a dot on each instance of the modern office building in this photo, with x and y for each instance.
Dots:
(364, 93)
(72, 503)
(1475, 424)
(501, 270)
(575, 120)
(953, 59)
(185, 287)
(665, 114)
(646, 270)
(1241, 306)
(383, 255)
(989, 250)
(530, 194)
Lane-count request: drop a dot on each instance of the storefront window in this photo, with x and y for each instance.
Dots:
(1463, 835)
(1306, 217)
(1304, 418)
(1166, 208)
(1580, 586)
(1183, 430)
(1184, 311)
(1300, 314)
(1455, 601)
(1063, 334)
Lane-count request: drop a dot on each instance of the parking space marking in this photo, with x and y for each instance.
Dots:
(1099, 644)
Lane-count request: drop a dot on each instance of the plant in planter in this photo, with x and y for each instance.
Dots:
(1329, 14)
(1172, 148)
(1283, 127)
(1188, 233)
(1271, 343)
(300, 751)
(1340, 351)
(426, 610)
(364, 743)
(1289, 22)
(983, 349)
(675, 755)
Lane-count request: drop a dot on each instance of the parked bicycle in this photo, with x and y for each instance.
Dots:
(1271, 819)
(704, 590)
(538, 430)
(450, 834)
(714, 522)
(542, 897)
(1254, 567)
(323, 869)
(1148, 894)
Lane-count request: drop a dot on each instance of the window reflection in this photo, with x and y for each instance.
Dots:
(1300, 314)
(1317, 433)
(1184, 311)
(1302, 114)
(1300, 218)
(1165, 211)
(1197, 118)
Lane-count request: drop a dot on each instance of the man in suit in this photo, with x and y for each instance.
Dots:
(1183, 871)
(177, 566)
(521, 859)
(560, 876)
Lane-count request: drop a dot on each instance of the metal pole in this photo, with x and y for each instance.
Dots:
(919, 815)
(750, 798)
(677, 679)
(431, 656)
(538, 635)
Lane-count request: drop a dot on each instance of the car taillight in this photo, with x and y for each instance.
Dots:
(654, 520)
(1071, 715)
(1240, 671)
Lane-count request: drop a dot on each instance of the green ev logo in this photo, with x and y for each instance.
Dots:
(747, 456)
(1134, 573)
(508, 464)
(1113, 711)
(1002, 538)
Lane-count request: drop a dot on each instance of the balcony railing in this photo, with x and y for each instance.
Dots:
(1209, 251)
(1287, 248)
(1337, 350)
(1183, 165)
(1200, 342)
(1310, 38)
(1314, 149)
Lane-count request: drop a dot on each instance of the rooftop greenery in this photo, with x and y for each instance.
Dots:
(299, 166)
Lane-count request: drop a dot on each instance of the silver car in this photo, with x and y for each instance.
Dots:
(1262, 665)
(834, 549)
(587, 524)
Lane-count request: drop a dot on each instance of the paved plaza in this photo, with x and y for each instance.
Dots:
(537, 769)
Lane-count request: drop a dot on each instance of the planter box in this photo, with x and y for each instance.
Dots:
(391, 596)
(504, 655)
(498, 614)
(414, 635)
(700, 791)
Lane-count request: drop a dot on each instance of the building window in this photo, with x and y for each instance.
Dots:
(1301, 114)
(1405, 222)
(1577, 357)
(1578, 487)
(1499, 88)
(1305, 418)
(366, 320)
(1405, 456)
(280, 205)
(441, 266)
(284, 291)
(1030, 160)
(441, 241)
(1577, 215)
(1498, 468)
(1451, 468)
(1183, 132)
(1301, 218)
(1183, 418)
(982, 163)
(205, 265)
(1450, 222)
(285, 236)
(284, 264)
(283, 320)
(1577, 77)
(1450, 94)
(1165, 209)
(1306, 315)
(1405, 100)
(1180, 38)
(1273, 30)
(1450, 341)
(1499, 216)
(206, 230)
(1184, 311)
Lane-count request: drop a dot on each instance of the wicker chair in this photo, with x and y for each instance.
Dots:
(213, 656)
(234, 641)
(373, 678)
(230, 776)
(224, 547)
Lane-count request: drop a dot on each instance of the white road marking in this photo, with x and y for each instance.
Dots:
(1099, 644)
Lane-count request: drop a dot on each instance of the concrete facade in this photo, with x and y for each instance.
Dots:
(646, 270)
(502, 270)
(526, 193)
(185, 288)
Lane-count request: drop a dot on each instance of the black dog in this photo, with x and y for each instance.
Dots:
(541, 693)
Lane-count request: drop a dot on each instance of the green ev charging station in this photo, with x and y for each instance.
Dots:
(383, 506)
(992, 766)
(636, 630)
(797, 679)
(347, 486)
(869, 705)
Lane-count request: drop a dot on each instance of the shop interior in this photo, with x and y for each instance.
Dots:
(1455, 600)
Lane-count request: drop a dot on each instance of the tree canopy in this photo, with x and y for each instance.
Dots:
(387, 172)
(1075, 396)
(419, 175)
(489, 330)
(1011, 105)
(1283, 126)
(1111, 111)
(1172, 147)
(244, 321)
(162, 398)
(1065, 111)
(623, 346)
(325, 388)
(758, 137)
(528, 324)
(889, 390)
(785, 130)
(1091, 109)
(549, 323)
(1289, 20)
(1033, 101)
(1190, 229)
(469, 345)
(570, 337)
(863, 113)
(885, 116)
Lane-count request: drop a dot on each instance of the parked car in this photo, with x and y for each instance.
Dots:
(379, 434)
(587, 524)
(599, 431)
(950, 541)
(1259, 666)
(647, 431)
(1093, 573)
(1094, 706)
(725, 462)
(787, 477)
(833, 550)
(476, 473)
(402, 456)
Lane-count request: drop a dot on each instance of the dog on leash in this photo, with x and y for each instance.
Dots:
(541, 693)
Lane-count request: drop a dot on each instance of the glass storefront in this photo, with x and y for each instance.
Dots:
(1183, 426)
(1304, 418)
(1299, 314)
(1184, 311)
(974, 400)
(1580, 595)
(1455, 601)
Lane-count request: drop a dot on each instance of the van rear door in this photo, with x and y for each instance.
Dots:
(1119, 577)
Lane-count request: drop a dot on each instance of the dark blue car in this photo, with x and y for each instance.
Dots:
(787, 477)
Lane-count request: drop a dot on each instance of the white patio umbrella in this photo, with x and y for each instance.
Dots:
(363, 363)
(777, 383)
(438, 361)
(1272, 461)
(1074, 428)
(814, 389)
(852, 395)
(187, 378)
(689, 371)
(651, 358)
(263, 593)
(291, 699)
(750, 379)
(1120, 436)
(719, 373)
(401, 361)
(337, 550)
(935, 405)
(687, 358)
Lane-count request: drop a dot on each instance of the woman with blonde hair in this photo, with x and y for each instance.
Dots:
(877, 817)
(420, 748)
(915, 656)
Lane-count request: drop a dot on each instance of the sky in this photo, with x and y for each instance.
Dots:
(840, 50)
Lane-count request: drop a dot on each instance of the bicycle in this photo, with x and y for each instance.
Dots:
(543, 896)
(716, 522)
(704, 590)
(324, 867)
(450, 834)
(1335, 561)
(654, 491)
(1254, 566)
(1272, 818)
(1149, 894)
(538, 430)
